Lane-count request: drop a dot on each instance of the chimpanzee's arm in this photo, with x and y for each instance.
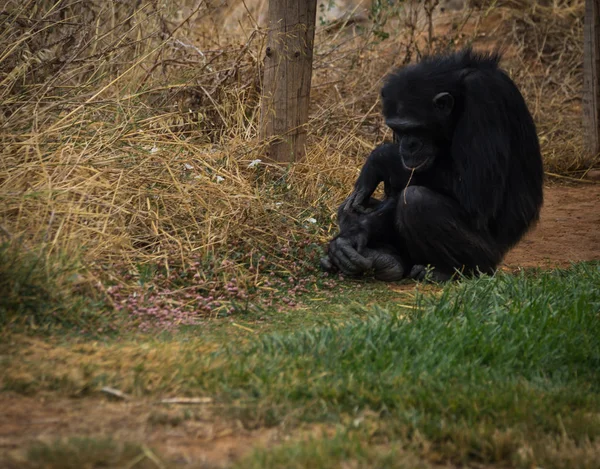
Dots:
(382, 165)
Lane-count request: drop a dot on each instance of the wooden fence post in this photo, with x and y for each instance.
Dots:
(287, 78)
(591, 77)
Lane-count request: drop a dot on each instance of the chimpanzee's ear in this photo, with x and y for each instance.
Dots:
(444, 102)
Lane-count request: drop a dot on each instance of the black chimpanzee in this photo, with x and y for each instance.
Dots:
(462, 180)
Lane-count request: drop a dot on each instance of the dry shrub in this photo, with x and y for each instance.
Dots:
(549, 39)
(129, 128)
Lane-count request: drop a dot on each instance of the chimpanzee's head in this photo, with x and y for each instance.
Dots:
(421, 106)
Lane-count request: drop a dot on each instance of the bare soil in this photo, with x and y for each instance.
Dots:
(201, 441)
(569, 230)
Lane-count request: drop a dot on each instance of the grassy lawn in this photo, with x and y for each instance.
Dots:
(501, 371)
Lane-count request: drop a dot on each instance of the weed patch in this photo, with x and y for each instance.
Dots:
(43, 289)
(76, 453)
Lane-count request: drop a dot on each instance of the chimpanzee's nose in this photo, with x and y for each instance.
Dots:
(410, 144)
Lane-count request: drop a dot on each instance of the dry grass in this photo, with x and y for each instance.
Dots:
(129, 129)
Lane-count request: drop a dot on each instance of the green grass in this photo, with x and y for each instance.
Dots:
(342, 450)
(502, 370)
(486, 366)
(78, 453)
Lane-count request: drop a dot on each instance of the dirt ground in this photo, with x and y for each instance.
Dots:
(569, 230)
(201, 441)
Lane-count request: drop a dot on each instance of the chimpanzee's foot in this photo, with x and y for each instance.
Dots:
(428, 274)
(387, 267)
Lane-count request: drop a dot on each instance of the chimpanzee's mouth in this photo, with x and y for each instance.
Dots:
(418, 165)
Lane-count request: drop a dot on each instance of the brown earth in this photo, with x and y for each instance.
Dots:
(201, 441)
(568, 231)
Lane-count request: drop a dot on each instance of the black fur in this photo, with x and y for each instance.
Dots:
(465, 139)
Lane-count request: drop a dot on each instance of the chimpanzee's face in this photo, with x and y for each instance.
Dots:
(420, 117)
(417, 149)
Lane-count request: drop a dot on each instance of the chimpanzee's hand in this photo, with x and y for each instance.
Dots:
(357, 202)
(344, 254)
(385, 265)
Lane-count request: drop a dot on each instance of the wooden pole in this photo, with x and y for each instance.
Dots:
(287, 77)
(591, 76)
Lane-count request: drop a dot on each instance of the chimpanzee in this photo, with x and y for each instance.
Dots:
(462, 180)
